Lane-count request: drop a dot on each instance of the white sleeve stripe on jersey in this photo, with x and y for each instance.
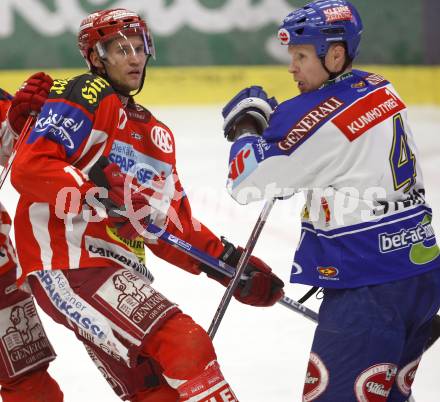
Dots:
(39, 216)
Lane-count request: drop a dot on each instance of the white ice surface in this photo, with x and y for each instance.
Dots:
(263, 352)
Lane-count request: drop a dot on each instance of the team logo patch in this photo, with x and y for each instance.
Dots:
(406, 375)
(375, 79)
(135, 300)
(342, 13)
(374, 384)
(284, 36)
(24, 344)
(317, 378)
(162, 139)
(328, 272)
(360, 84)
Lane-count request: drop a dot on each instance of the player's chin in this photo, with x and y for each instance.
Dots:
(133, 82)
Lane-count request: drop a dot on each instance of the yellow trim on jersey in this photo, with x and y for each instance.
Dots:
(216, 85)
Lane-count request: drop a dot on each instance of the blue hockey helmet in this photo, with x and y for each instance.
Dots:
(321, 23)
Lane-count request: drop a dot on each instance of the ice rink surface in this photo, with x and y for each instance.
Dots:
(263, 352)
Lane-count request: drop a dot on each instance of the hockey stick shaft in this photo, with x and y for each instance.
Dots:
(244, 258)
(17, 146)
(96, 176)
(221, 267)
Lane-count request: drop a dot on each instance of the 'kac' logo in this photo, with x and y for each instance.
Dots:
(162, 139)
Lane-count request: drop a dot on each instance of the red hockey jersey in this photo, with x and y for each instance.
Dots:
(82, 120)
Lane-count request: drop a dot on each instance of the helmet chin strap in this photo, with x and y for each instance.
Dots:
(333, 75)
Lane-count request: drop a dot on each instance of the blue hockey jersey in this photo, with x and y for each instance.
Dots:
(349, 148)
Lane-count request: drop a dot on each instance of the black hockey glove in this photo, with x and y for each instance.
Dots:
(250, 103)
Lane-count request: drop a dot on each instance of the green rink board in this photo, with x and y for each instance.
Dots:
(216, 85)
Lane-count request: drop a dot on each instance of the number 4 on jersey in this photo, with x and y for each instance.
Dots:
(402, 160)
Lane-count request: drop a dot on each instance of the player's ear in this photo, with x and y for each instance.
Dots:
(336, 57)
(95, 60)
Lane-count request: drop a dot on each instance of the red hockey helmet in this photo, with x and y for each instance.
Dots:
(102, 26)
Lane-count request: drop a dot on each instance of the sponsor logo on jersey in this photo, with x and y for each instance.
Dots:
(59, 86)
(243, 164)
(374, 383)
(342, 13)
(93, 88)
(360, 84)
(367, 112)
(136, 136)
(24, 344)
(317, 378)
(406, 375)
(406, 237)
(58, 290)
(148, 170)
(101, 249)
(162, 139)
(135, 245)
(308, 122)
(327, 272)
(134, 299)
(64, 124)
(374, 79)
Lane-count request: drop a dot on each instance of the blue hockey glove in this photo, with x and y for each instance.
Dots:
(250, 102)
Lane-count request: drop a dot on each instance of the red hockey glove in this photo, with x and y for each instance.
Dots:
(133, 204)
(29, 98)
(260, 288)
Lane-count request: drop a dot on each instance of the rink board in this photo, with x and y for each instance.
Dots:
(215, 85)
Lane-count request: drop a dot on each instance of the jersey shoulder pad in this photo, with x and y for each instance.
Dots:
(4, 95)
(87, 90)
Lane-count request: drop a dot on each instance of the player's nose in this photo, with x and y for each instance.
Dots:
(293, 67)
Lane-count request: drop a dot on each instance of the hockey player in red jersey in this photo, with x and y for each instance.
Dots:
(366, 236)
(81, 260)
(24, 347)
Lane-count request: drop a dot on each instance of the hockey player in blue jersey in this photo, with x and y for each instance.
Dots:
(366, 232)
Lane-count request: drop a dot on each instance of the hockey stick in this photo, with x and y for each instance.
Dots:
(242, 262)
(17, 145)
(98, 178)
